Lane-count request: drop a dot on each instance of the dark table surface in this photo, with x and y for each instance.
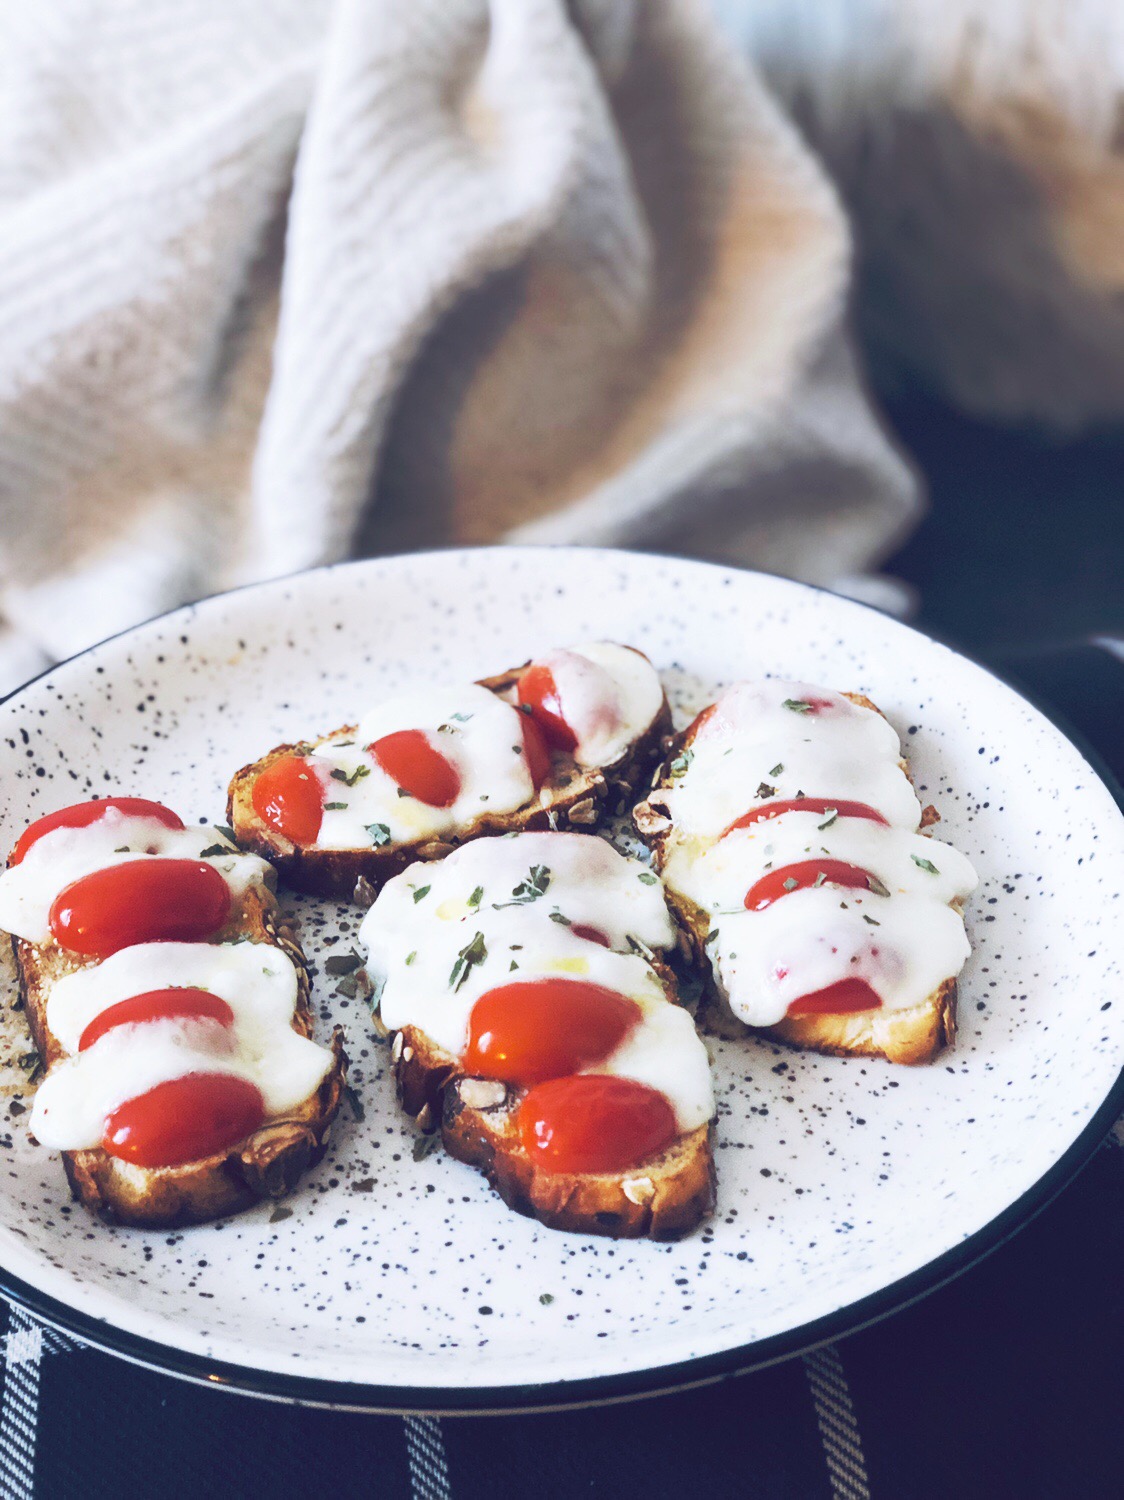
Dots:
(1004, 1383)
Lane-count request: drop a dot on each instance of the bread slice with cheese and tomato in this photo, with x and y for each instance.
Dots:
(534, 1022)
(791, 844)
(170, 1008)
(557, 743)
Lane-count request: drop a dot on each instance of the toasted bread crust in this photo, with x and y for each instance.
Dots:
(571, 799)
(664, 1198)
(915, 1035)
(265, 1165)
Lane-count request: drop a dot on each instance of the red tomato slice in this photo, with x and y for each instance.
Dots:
(288, 796)
(158, 1005)
(538, 692)
(142, 901)
(185, 1119)
(82, 814)
(536, 750)
(594, 1123)
(837, 999)
(778, 883)
(590, 934)
(408, 758)
(535, 1029)
(844, 809)
(698, 721)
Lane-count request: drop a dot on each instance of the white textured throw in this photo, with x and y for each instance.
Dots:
(283, 280)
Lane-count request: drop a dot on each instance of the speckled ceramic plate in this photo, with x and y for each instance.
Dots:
(846, 1187)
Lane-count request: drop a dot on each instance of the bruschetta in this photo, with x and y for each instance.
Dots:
(170, 1009)
(554, 744)
(790, 840)
(533, 1021)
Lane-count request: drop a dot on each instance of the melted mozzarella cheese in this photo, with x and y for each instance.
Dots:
(441, 935)
(28, 890)
(257, 980)
(811, 939)
(752, 741)
(609, 694)
(720, 877)
(480, 734)
(904, 935)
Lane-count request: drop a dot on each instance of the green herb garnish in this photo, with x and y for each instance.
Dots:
(798, 705)
(471, 954)
(832, 814)
(339, 774)
(530, 889)
(476, 897)
(422, 890)
(765, 790)
(875, 885)
(924, 864)
(647, 878)
(335, 806)
(380, 834)
(213, 850)
(777, 769)
(32, 1064)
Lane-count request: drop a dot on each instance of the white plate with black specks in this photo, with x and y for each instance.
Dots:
(846, 1187)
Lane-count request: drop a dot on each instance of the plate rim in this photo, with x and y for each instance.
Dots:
(559, 1395)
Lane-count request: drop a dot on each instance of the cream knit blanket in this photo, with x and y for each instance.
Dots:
(284, 280)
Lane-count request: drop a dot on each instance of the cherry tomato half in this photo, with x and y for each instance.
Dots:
(288, 796)
(594, 1122)
(82, 814)
(408, 758)
(184, 1120)
(838, 999)
(538, 692)
(843, 809)
(800, 876)
(141, 901)
(158, 1005)
(590, 934)
(536, 1029)
(536, 750)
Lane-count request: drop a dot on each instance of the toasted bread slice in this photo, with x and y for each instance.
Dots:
(663, 1198)
(571, 798)
(267, 1164)
(913, 1035)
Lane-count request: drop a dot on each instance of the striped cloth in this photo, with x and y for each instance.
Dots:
(1006, 1382)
